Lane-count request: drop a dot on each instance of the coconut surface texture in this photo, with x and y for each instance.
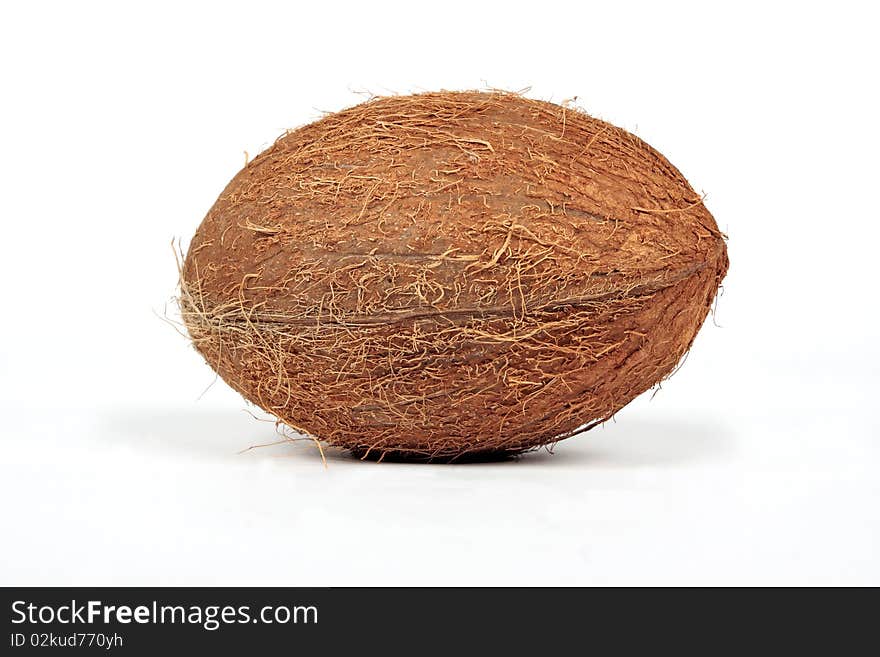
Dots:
(451, 274)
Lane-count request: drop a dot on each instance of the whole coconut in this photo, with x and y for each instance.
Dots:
(451, 274)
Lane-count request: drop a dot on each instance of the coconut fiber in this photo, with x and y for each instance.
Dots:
(451, 274)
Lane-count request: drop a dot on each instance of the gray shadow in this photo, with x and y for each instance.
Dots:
(639, 442)
(201, 434)
(220, 434)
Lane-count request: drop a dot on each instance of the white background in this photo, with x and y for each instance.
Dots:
(756, 464)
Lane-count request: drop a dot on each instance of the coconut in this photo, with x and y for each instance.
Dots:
(450, 275)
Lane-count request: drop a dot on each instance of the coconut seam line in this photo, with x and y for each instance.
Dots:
(451, 274)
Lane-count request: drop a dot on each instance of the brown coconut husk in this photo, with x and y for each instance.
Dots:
(451, 274)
